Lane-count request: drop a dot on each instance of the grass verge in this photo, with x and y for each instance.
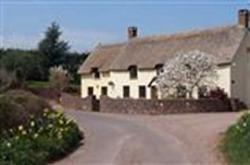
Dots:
(236, 142)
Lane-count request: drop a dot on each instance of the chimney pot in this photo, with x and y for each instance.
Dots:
(132, 32)
(243, 18)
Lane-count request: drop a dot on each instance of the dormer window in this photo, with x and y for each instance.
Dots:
(96, 72)
(133, 72)
(159, 68)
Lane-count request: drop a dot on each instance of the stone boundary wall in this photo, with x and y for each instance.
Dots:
(77, 103)
(157, 107)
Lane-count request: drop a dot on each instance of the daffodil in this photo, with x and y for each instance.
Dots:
(8, 144)
(35, 135)
(24, 132)
(20, 128)
(32, 123)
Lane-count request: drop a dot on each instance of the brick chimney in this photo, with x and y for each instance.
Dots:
(243, 18)
(132, 32)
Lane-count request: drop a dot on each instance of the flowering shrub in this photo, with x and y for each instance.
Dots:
(42, 139)
(236, 142)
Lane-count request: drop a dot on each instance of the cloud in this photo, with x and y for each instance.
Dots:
(79, 40)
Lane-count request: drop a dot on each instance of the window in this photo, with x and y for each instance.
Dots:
(96, 72)
(142, 92)
(104, 91)
(126, 91)
(90, 91)
(133, 72)
(154, 94)
(159, 68)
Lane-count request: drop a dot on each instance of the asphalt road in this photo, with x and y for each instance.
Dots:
(115, 141)
(151, 140)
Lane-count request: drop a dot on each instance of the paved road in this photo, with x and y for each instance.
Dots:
(126, 140)
(116, 141)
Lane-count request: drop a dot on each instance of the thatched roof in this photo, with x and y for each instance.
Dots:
(147, 52)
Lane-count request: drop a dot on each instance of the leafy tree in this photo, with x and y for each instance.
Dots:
(52, 48)
(72, 63)
(26, 65)
(186, 72)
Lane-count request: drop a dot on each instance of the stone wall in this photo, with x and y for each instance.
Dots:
(77, 103)
(156, 107)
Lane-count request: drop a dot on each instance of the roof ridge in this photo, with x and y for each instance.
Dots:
(188, 33)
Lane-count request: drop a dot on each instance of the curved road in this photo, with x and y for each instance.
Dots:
(152, 140)
(116, 141)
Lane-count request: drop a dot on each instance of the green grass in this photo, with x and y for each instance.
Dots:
(38, 84)
(236, 142)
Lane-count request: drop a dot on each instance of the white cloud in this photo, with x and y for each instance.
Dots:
(79, 40)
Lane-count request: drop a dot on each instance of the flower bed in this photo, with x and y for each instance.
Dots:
(33, 135)
(236, 142)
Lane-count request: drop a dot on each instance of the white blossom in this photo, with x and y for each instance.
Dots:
(190, 70)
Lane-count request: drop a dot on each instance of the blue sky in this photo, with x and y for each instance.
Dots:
(87, 23)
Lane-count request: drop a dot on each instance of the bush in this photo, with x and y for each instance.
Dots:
(43, 139)
(236, 142)
(218, 93)
(72, 89)
(59, 77)
(16, 106)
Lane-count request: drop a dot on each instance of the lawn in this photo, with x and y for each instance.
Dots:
(38, 84)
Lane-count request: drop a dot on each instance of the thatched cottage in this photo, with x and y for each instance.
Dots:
(127, 69)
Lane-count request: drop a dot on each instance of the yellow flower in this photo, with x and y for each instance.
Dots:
(24, 132)
(32, 124)
(61, 121)
(8, 144)
(35, 135)
(20, 128)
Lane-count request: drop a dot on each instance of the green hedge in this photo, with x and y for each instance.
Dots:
(236, 142)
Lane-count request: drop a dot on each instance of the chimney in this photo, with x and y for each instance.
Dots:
(243, 18)
(132, 32)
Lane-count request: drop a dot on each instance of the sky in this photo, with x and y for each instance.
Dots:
(87, 23)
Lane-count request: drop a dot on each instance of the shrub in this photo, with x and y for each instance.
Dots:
(72, 89)
(218, 93)
(43, 139)
(59, 77)
(236, 142)
(16, 107)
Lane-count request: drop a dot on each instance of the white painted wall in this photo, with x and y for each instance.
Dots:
(121, 78)
(224, 78)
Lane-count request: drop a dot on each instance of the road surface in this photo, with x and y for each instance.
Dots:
(157, 140)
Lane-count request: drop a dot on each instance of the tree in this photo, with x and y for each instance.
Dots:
(187, 71)
(52, 47)
(27, 65)
(59, 77)
(72, 63)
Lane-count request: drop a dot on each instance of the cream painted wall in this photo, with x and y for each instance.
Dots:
(121, 78)
(118, 79)
(224, 78)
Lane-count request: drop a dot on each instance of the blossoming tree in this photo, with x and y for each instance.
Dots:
(186, 72)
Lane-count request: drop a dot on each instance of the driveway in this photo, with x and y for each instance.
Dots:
(126, 139)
